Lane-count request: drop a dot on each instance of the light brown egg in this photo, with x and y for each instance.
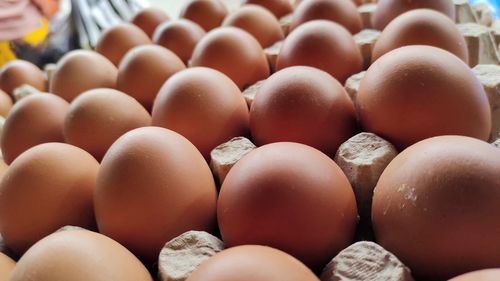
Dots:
(279, 8)
(343, 12)
(149, 19)
(33, 120)
(144, 70)
(235, 53)
(6, 267)
(116, 41)
(153, 185)
(250, 263)
(492, 274)
(387, 10)
(79, 255)
(436, 207)
(5, 103)
(257, 21)
(179, 36)
(47, 187)
(209, 14)
(289, 196)
(416, 92)
(99, 117)
(324, 45)
(80, 71)
(19, 72)
(421, 27)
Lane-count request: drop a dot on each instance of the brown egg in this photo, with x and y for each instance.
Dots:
(421, 27)
(179, 36)
(250, 263)
(235, 53)
(19, 72)
(204, 106)
(5, 103)
(209, 14)
(98, 117)
(289, 196)
(33, 120)
(279, 8)
(79, 71)
(324, 45)
(257, 21)
(79, 255)
(492, 274)
(153, 185)
(149, 19)
(6, 267)
(303, 104)
(417, 92)
(436, 207)
(116, 41)
(343, 12)
(387, 10)
(45, 188)
(144, 70)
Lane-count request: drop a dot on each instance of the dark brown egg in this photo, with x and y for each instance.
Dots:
(416, 92)
(492, 274)
(289, 196)
(235, 53)
(80, 71)
(324, 45)
(116, 41)
(209, 14)
(5, 103)
(421, 27)
(149, 19)
(279, 8)
(179, 36)
(19, 72)
(436, 207)
(343, 12)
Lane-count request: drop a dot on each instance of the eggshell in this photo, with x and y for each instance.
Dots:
(79, 71)
(98, 117)
(343, 12)
(6, 266)
(279, 8)
(45, 188)
(79, 255)
(417, 92)
(149, 19)
(421, 27)
(117, 40)
(235, 53)
(289, 196)
(179, 36)
(324, 45)
(492, 274)
(153, 185)
(209, 14)
(204, 106)
(441, 196)
(18, 72)
(387, 10)
(34, 120)
(150, 63)
(5, 103)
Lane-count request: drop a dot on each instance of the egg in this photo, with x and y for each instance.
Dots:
(279, 8)
(35, 119)
(289, 196)
(153, 185)
(98, 117)
(491, 274)
(209, 14)
(19, 72)
(5, 103)
(117, 40)
(79, 255)
(387, 10)
(79, 71)
(343, 12)
(436, 207)
(149, 19)
(179, 36)
(204, 106)
(421, 27)
(303, 104)
(416, 92)
(150, 63)
(47, 187)
(324, 45)
(6, 266)
(252, 262)
(235, 53)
